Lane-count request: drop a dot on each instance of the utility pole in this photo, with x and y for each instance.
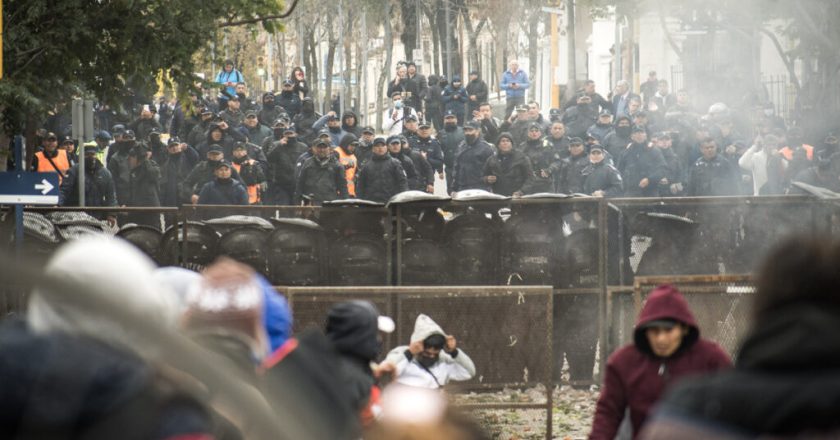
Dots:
(341, 97)
(418, 41)
(448, 41)
(570, 42)
(363, 66)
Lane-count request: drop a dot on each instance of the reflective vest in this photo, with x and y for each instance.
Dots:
(61, 162)
(348, 161)
(787, 152)
(253, 191)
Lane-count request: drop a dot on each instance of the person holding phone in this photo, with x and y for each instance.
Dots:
(514, 83)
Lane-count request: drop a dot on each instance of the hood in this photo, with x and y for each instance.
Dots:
(665, 302)
(266, 95)
(353, 328)
(425, 327)
(345, 115)
(210, 128)
(346, 140)
(115, 265)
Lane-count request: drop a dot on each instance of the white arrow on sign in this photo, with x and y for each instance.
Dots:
(44, 186)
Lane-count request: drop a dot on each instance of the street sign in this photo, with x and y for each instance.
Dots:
(29, 188)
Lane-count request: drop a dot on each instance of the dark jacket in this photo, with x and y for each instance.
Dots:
(305, 120)
(425, 172)
(571, 175)
(433, 150)
(638, 162)
(450, 140)
(229, 138)
(282, 161)
(455, 99)
(381, 178)
(145, 185)
(478, 88)
(354, 129)
(616, 143)
(785, 384)
(469, 166)
(120, 171)
(216, 192)
(512, 171)
(716, 177)
(579, 118)
(321, 180)
(289, 101)
(199, 176)
(99, 187)
(543, 159)
(174, 169)
(411, 174)
(58, 386)
(258, 134)
(409, 89)
(142, 128)
(602, 177)
(635, 377)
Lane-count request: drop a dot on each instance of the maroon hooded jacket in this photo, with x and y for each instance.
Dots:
(636, 378)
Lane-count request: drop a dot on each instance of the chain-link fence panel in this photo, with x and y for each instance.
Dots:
(720, 304)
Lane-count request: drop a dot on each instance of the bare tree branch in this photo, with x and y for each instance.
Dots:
(785, 58)
(262, 19)
(667, 32)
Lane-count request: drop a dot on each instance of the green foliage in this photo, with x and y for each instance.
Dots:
(54, 51)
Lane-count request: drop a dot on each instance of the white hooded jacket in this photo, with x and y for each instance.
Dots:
(410, 372)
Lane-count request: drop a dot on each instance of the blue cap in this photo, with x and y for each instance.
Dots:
(103, 135)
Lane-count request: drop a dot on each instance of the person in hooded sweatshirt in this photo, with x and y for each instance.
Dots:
(785, 383)
(220, 134)
(305, 120)
(431, 359)
(350, 123)
(346, 150)
(353, 328)
(666, 347)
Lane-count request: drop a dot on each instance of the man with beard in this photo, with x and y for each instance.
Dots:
(270, 111)
(256, 132)
(406, 87)
(455, 98)
(571, 174)
(118, 165)
(305, 120)
(602, 127)
(425, 173)
(641, 165)
(233, 115)
(619, 139)
(432, 358)
(382, 177)
(477, 92)
(543, 158)
(204, 173)
(470, 159)
(451, 137)
(245, 102)
(333, 124)
(223, 189)
(288, 99)
(251, 172)
(346, 150)
(282, 161)
(99, 185)
(395, 150)
(321, 177)
(175, 167)
(490, 126)
(559, 140)
(429, 147)
(507, 171)
(601, 179)
(580, 117)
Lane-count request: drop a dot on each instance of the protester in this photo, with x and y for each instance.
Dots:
(600, 179)
(455, 99)
(470, 159)
(666, 347)
(321, 177)
(508, 170)
(432, 358)
(784, 381)
(382, 177)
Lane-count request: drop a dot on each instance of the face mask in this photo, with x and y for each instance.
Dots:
(268, 105)
(622, 131)
(278, 133)
(425, 361)
(90, 162)
(470, 138)
(213, 161)
(450, 126)
(398, 105)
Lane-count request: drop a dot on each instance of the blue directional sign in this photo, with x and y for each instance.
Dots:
(29, 188)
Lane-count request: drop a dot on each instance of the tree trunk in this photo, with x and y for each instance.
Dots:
(386, 68)
(432, 16)
(314, 86)
(533, 38)
(472, 37)
(409, 35)
(328, 68)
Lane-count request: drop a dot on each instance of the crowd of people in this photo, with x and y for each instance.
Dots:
(235, 150)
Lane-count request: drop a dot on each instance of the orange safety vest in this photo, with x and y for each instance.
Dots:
(349, 173)
(61, 161)
(253, 191)
(787, 152)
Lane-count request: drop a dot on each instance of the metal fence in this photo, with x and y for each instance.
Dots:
(506, 331)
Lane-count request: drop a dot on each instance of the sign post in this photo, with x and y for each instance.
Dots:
(83, 132)
(19, 188)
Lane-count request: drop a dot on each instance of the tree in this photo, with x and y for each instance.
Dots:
(56, 51)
